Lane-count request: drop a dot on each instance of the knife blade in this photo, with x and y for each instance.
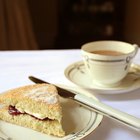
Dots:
(96, 106)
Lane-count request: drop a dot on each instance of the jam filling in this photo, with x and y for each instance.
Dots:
(13, 111)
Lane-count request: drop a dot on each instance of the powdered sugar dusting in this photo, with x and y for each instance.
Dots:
(43, 94)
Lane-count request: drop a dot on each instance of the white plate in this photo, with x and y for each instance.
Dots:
(78, 122)
(76, 73)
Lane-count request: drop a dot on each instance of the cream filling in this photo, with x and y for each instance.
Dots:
(37, 115)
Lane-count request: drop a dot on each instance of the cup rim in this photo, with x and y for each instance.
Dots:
(108, 58)
(87, 46)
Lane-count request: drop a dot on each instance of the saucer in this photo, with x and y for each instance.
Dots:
(76, 73)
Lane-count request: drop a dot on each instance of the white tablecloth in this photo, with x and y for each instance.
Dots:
(16, 66)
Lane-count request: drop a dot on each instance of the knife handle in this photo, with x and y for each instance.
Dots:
(108, 111)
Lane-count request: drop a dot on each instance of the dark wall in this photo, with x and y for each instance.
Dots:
(44, 17)
(56, 27)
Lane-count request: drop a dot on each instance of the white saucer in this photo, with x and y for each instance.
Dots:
(76, 74)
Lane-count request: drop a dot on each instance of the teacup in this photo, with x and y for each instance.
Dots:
(108, 62)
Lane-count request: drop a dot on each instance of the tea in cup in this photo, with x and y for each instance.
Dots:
(108, 62)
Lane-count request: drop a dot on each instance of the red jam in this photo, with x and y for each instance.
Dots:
(14, 111)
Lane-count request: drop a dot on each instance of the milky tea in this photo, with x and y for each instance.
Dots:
(107, 52)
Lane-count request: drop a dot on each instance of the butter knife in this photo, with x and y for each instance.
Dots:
(96, 106)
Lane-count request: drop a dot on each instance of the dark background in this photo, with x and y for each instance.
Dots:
(67, 24)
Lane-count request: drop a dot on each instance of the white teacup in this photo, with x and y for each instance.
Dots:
(108, 62)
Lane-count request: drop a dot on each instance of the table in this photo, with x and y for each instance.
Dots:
(16, 66)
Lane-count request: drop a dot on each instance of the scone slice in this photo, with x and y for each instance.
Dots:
(34, 106)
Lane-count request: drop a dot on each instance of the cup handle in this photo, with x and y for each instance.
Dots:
(136, 48)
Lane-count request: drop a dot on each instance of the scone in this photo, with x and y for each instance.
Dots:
(33, 106)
